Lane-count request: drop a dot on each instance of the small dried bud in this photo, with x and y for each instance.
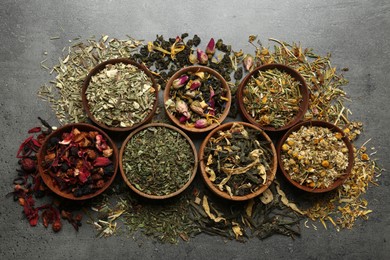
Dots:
(248, 62)
(202, 57)
(180, 82)
(183, 119)
(181, 107)
(197, 108)
(193, 58)
(210, 49)
(201, 123)
(195, 84)
(57, 225)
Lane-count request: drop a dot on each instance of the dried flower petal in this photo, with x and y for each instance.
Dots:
(101, 162)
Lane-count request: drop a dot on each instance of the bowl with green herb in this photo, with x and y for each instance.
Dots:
(238, 161)
(315, 156)
(158, 161)
(197, 99)
(78, 161)
(120, 95)
(273, 96)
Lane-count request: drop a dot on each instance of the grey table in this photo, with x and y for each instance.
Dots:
(355, 32)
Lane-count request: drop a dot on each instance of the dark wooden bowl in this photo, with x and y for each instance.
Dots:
(333, 128)
(102, 66)
(194, 69)
(47, 179)
(303, 106)
(143, 194)
(270, 174)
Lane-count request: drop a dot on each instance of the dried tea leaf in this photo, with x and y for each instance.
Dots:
(286, 202)
(206, 207)
(249, 207)
(267, 196)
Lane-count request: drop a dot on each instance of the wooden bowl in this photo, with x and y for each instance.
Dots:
(151, 196)
(303, 106)
(333, 128)
(48, 180)
(194, 69)
(99, 68)
(270, 174)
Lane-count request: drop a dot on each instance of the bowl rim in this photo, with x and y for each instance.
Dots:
(303, 106)
(67, 128)
(99, 67)
(270, 176)
(195, 68)
(157, 197)
(333, 128)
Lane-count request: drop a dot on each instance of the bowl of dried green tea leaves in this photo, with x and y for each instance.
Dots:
(273, 97)
(238, 161)
(315, 156)
(120, 95)
(158, 161)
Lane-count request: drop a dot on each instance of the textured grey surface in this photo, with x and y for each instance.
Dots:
(355, 32)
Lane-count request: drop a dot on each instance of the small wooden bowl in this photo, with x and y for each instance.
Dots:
(195, 69)
(303, 106)
(143, 194)
(99, 68)
(270, 174)
(58, 133)
(333, 128)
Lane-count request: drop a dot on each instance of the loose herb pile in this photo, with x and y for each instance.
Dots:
(164, 57)
(315, 156)
(272, 98)
(78, 162)
(121, 95)
(197, 99)
(237, 160)
(158, 161)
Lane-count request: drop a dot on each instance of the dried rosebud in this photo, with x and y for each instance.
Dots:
(181, 106)
(183, 119)
(202, 57)
(201, 123)
(210, 49)
(197, 108)
(28, 164)
(193, 58)
(195, 84)
(101, 162)
(180, 82)
(248, 62)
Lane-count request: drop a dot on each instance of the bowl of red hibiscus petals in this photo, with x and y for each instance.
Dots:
(78, 161)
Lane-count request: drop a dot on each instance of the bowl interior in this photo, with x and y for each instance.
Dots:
(194, 69)
(333, 128)
(132, 186)
(99, 68)
(303, 106)
(270, 174)
(58, 133)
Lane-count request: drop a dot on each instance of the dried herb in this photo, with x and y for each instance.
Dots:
(197, 99)
(78, 162)
(315, 156)
(238, 160)
(158, 160)
(29, 187)
(121, 95)
(272, 98)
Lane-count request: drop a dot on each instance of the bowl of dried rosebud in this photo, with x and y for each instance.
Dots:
(120, 95)
(197, 99)
(273, 97)
(78, 161)
(238, 161)
(315, 156)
